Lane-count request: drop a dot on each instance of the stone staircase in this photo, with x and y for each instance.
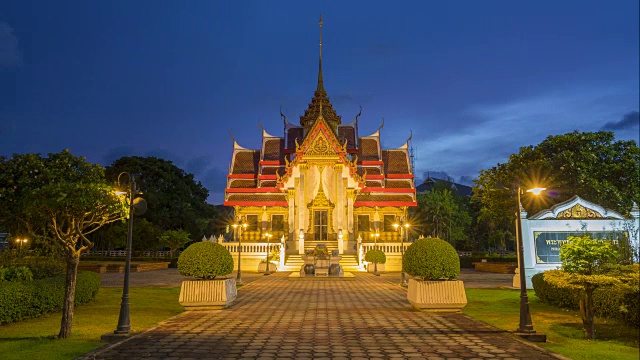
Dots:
(295, 262)
(310, 245)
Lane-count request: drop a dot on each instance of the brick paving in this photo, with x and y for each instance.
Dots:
(368, 318)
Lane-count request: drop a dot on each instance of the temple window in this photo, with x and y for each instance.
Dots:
(277, 222)
(363, 223)
(252, 220)
(389, 219)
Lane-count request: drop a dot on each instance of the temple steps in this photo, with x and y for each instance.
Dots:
(310, 245)
(295, 262)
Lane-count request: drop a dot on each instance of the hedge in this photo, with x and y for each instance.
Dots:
(467, 261)
(29, 299)
(607, 302)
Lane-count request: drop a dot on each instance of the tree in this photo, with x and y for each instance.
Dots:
(444, 215)
(146, 236)
(174, 199)
(590, 164)
(60, 198)
(174, 239)
(588, 264)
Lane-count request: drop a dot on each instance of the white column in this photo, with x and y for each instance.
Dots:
(301, 212)
(292, 216)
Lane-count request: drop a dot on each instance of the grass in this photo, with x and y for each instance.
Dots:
(500, 308)
(33, 339)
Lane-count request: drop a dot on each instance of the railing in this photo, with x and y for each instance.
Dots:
(261, 249)
(124, 253)
(393, 248)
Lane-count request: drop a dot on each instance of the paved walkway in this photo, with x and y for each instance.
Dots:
(170, 278)
(368, 318)
(161, 278)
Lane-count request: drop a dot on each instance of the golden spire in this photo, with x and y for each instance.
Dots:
(320, 81)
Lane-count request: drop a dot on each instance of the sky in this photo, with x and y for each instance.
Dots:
(473, 80)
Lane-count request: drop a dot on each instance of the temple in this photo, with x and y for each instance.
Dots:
(320, 182)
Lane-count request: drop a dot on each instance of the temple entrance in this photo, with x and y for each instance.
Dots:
(320, 228)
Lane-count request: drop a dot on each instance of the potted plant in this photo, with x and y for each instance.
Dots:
(436, 265)
(274, 258)
(375, 260)
(207, 262)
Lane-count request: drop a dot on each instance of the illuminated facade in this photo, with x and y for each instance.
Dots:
(320, 182)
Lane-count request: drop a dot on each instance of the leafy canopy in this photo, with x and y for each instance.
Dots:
(175, 200)
(592, 165)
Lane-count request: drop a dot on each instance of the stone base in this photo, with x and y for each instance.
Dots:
(533, 337)
(262, 267)
(207, 294)
(437, 296)
(516, 279)
(371, 268)
(113, 338)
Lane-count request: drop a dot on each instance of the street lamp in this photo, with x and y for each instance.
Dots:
(525, 329)
(268, 235)
(404, 231)
(20, 242)
(375, 246)
(235, 226)
(137, 206)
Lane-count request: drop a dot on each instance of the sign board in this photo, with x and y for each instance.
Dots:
(545, 232)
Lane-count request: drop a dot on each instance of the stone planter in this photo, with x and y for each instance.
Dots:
(262, 267)
(207, 294)
(371, 267)
(437, 296)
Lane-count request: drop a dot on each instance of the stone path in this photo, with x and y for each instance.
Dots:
(368, 318)
(170, 278)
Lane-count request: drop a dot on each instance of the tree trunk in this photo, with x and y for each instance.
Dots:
(69, 295)
(587, 315)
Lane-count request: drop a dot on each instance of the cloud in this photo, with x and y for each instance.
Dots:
(629, 120)
(501, 129)
(10, 55)
(116, 153)
(198, 164)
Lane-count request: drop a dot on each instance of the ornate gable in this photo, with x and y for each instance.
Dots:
(576, 208)
(321, 144)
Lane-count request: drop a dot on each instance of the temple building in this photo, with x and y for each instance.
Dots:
(320, 182)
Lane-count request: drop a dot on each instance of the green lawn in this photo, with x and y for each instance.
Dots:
(33, 339)
(500, 308)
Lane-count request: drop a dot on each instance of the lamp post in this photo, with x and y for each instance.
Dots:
(124, 323)
(244, 226)
(20, 242)
(268, 235)
(375, 246)
(525, 328)
(404, 231)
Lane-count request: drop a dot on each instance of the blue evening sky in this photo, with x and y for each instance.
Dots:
(474, 80)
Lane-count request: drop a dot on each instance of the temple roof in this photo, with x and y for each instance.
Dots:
(320, 104)
(257, 177)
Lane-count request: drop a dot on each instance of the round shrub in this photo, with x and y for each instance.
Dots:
(205, 260)
(375, 256)
(432, 259)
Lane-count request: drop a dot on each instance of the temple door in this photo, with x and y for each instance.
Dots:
(320, 228)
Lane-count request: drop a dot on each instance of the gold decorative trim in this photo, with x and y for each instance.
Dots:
(321, 202)
(579, 212)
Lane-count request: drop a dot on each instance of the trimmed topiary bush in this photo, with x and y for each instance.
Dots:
(431, 259)
(375, 256)
(28, 299)
(205, 260)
